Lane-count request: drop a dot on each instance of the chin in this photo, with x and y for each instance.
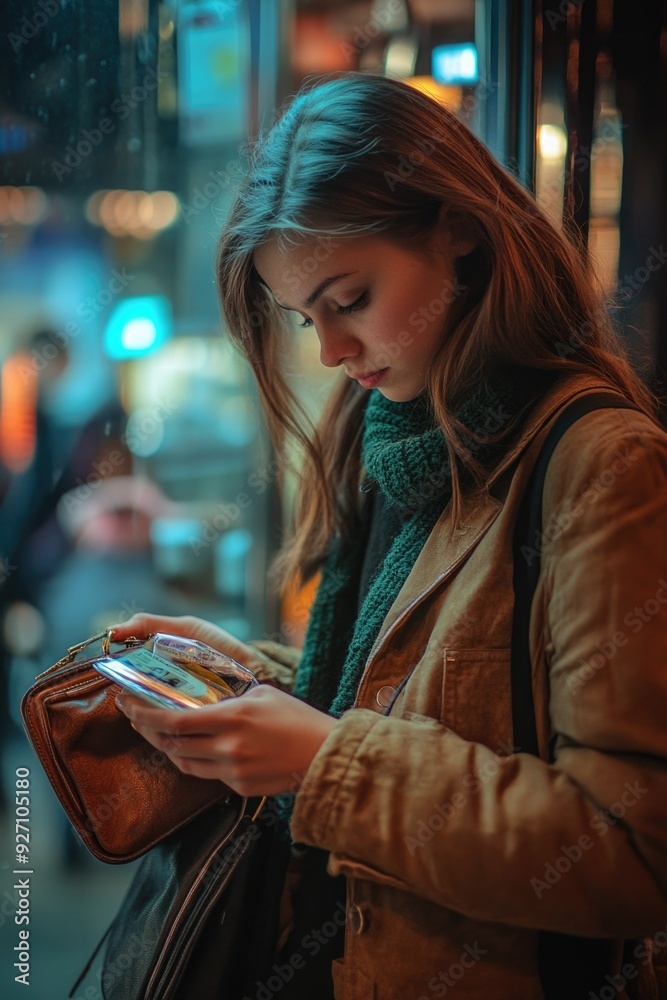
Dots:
(397, 395)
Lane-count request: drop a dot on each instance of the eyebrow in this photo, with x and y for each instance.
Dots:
(321, 288)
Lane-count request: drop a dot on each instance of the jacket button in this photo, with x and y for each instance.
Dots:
(358, 919)
(384, 695)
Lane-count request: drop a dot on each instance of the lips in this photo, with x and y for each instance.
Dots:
(369, 381)
(367, 374)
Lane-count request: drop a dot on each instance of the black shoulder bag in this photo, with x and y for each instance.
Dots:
(200, 916)
(571, 967)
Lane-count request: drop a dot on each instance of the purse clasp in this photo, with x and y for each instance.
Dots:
(105, 636)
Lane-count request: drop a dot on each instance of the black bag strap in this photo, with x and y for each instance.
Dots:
(527, 546)
(570, 967)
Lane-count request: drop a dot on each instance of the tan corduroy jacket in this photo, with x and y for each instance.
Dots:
(455, 849)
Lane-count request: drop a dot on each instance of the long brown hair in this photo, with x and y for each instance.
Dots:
(362, 154)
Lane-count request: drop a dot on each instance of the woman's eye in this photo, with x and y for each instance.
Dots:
(343, 310)
(359, 304)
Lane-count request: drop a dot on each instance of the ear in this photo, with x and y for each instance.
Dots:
(457, 230)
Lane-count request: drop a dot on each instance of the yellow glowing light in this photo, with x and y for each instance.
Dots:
(93, 204)
(35, 204)
(24, 205)
(125, 210)
(139, 213)
(552, 142)
(15, 204)
(107, 208)
(450, 96)
(146, 210)
(165, 209)
(4, 204)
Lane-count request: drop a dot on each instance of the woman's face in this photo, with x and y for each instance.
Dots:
(385, 309)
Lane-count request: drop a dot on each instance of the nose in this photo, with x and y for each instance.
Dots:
(336, 346)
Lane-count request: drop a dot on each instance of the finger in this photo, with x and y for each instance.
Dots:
(276, 675)
(143, 624)
(178, 722)
(140, 713)
(130, 704)
(191, 754)
(191, 747)
(278, 652)
(161, 741)
(205, 769)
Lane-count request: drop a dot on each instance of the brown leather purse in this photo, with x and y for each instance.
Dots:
(122, 795)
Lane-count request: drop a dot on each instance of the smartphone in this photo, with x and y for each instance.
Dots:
(173, 672)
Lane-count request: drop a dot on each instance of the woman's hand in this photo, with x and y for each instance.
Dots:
(269, 661)
(143, 625)
(260, 743)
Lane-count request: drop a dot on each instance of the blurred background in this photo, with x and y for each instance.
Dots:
(135, 470)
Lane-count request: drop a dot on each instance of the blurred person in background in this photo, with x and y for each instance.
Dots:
(65, 456)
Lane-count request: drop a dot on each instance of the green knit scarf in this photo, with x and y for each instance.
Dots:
(405, 453)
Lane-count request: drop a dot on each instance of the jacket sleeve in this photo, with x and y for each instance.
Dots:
(275, 663)
(578, 845)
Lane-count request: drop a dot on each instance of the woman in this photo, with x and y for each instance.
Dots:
(463, 322)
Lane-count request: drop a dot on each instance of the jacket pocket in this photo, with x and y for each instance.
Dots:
(477, 699)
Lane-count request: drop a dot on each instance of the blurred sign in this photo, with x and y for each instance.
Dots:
(213, 73)
(137, 325)
(455, 64)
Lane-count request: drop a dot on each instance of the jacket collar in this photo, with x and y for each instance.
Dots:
(449, 545)
(544, 410)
